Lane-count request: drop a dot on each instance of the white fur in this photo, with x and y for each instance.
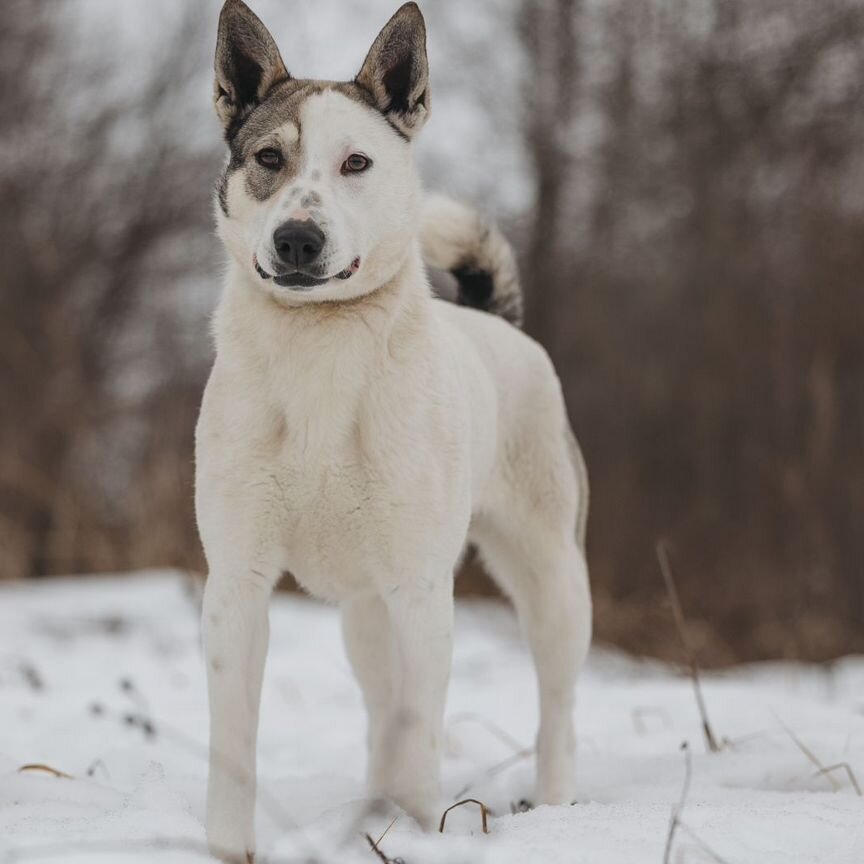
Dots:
(371, 216)
(454, 236)
(356, 435)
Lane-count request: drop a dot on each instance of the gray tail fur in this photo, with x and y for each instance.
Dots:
(469, 260)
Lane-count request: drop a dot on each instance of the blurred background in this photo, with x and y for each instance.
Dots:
(684, 183)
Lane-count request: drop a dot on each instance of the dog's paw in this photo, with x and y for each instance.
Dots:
(229, 854)
(556, 781)
(426, 814)
(560, 793)
(227, 841)
(422, 808)
(417, 794)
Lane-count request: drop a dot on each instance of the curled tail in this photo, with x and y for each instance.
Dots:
(470, 261)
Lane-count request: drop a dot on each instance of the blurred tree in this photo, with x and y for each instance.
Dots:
(103, 213)
(693, 264)
(707, 315)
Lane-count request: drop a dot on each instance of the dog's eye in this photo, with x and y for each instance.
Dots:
(355, 163)
(270, 158)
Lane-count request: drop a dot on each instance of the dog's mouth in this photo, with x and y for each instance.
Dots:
(300, 281)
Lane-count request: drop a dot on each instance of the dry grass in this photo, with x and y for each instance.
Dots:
(842, 766)
(681, 624)
(676, 823)
(484, 813)
(45, 769)
(822, 770)
(519, 754)
(375, 845)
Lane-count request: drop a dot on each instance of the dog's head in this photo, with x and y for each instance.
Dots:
(319, 198)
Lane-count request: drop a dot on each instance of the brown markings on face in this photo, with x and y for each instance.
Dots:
(283, 105)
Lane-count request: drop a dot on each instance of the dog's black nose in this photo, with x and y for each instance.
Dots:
(298, 243)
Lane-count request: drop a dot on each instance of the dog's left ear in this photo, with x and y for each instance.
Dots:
(396, 71)
(248, 63)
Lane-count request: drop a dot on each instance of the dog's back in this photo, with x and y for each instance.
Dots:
(471, 263)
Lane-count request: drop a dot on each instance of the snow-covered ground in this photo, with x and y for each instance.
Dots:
(86, 666)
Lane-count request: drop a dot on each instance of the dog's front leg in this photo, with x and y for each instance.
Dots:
(406, 769)
(368, 642)
(236, 634)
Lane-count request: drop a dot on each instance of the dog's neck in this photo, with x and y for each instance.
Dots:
(318, 361)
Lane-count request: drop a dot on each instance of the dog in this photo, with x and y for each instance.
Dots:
(358, 432)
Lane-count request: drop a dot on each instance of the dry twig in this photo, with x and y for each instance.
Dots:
(680, 623)
(484, 812)
(493, 728)
(98, 763)
(519, 752)
(494, 770)
(842, 766)
(376, 845)
(675, 821)
(46, 769)
(701, 843)
(393, 821)
(268, 803)
(811, 756)
(373, 844)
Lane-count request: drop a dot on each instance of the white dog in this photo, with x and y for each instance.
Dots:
(357, 432)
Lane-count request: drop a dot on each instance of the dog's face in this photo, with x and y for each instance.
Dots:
(319, 199)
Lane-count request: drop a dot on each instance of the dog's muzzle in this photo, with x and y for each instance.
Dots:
(298, 280)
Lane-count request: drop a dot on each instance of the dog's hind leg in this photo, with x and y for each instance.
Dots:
(236, 634)
(543, 570)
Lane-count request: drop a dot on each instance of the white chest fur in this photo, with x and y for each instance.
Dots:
(333, 441)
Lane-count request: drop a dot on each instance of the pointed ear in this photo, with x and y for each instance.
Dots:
(248, 63)
(396, 71)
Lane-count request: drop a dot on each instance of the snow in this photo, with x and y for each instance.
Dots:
(130, 646)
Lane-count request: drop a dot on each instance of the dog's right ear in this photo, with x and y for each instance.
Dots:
(248, 64)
